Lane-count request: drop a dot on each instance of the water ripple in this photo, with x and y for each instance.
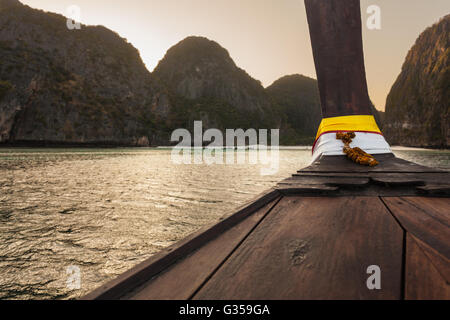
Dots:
(106, 210)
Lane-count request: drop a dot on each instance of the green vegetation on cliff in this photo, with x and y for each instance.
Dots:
(5, 86)
(91, 86)
(299, 100)
(418, 105)
(72, 86)
(206, 84)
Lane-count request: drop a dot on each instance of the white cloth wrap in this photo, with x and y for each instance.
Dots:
(372, 143)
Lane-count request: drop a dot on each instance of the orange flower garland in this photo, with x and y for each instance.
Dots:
(355, 154)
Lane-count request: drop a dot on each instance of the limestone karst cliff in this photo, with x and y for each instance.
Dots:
(418, 105)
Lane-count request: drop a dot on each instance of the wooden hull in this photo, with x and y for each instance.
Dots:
(314, 237)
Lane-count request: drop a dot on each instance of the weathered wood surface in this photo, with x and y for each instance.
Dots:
(314, 248)
(336, 38)
(423, 281)
(392, 177)
(397, 181)
(425, 218)
(388, 164)
(313, 189)
(331, 181)
(441, 263)
(435, 189)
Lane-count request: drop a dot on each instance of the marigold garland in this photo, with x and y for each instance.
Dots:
(355, 154)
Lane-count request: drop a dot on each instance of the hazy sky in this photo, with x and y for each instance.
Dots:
(267, 38)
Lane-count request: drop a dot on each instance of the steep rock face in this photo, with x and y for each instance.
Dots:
(418, 105)
(205, 84)
(299, 100)
(89, 86)
(73, 86)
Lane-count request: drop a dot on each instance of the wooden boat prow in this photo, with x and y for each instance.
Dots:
(313, 237)
(320, 233)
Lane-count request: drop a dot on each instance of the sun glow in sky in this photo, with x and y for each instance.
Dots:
(267, 38)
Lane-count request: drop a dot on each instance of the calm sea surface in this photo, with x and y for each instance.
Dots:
(105, 210)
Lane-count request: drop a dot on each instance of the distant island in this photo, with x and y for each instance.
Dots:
(90, 87)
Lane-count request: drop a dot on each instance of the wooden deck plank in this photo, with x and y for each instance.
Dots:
(314, 248)
(182, 280)
(301, 173)
(398, 181)
(331, 181)
(441, 263)
(370, 183)
(388, 163)
(422, 280)
(318, 189)
(435, 189)
(428, 219)
(439, 208)
(435, 181)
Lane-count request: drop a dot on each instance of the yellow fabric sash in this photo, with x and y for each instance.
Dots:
(348, 123)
